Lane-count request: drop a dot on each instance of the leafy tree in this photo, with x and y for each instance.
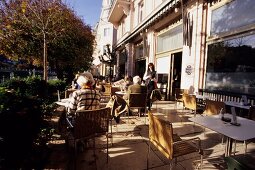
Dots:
(45, 32)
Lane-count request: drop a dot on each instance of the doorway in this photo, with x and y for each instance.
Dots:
(140, 67)
(175, 73)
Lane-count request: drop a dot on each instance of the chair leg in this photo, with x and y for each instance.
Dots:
(148, 154)
(201, 162)
(111, 133)
(128, 113)
(75, 154)
(107, 152)
(145, 116)
(245, 146)
(171, 165)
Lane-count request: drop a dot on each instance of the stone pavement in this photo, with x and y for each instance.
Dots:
(130, 146)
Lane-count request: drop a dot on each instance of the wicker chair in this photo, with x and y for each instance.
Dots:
(251, 114)
(178, 96)
(170, 145)
(88, 124)
(190, 102)
(213, 107)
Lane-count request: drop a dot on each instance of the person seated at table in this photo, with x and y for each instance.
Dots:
(127, 82)
(135, 88)
(99, 86)
(119, 104)
(86, 98)
(74, 82)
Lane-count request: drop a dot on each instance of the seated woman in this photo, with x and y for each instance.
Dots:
(86, 98)
(127, 82)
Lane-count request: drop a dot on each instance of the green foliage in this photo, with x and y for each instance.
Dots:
(22, 116)
(35, 86)
(56, 84)
(26, 26)
(30, 86)
(18, 85)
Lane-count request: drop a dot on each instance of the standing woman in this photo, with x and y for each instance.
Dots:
(150, 82)
(150, 72)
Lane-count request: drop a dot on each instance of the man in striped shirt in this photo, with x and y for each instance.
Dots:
(86, 98)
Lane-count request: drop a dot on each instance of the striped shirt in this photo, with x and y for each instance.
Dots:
(84, 99)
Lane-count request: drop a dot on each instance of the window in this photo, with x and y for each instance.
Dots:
(140, 11)
(123, 25)
(106, 32)
(231, 65)
(171, 40)
(235, 14)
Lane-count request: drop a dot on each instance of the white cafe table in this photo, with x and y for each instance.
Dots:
(237, 104)
(241, 133)
(202, 97)
(63, 102)
(120, 92)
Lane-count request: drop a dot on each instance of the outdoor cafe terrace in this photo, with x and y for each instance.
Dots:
(223, 145)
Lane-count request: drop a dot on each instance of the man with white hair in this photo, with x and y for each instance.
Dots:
(86, 98)
(135, 88)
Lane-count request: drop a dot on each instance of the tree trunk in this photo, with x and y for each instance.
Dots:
(45, 69)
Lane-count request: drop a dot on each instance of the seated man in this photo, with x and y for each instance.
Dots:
(85, 98)
(135, 88)
(119, 104)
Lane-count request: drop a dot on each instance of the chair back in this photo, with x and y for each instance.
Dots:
(189, 101)
(107, 89)
(137, 100)
(114, 89)
(155, 95)
(251, 114)
(178, 94)
(161, 135)
(213, 107)
(91, 122)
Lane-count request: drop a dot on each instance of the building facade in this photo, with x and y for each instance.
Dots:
(193, 43)
(105, 35)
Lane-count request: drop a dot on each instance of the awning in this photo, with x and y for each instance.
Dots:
(164, 9)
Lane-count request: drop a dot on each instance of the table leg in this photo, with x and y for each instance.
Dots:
(228, 148)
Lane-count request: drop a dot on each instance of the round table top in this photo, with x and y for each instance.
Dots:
(120, 92)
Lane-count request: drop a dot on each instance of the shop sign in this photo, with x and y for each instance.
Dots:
(189, 69)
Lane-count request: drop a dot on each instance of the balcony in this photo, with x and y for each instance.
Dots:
(118, 10)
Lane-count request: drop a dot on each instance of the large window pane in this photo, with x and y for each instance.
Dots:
(170, 40)
(233, 15)
(231, 65)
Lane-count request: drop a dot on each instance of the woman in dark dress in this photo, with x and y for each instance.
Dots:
(150, 82)
(149, 73)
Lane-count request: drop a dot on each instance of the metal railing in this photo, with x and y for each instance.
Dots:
(220, 95)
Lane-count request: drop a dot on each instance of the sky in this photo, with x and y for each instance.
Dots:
(88, 10)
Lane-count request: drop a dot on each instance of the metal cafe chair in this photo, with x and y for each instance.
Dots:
(137, 101)
(190, 102)
(213, 107)
(88, 124)
(169, 144)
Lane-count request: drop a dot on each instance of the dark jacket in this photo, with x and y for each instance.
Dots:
(136, 88)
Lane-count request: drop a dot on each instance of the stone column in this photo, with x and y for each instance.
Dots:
(130, 59)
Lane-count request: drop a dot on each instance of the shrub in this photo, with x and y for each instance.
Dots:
(35, 86)
(54, 85)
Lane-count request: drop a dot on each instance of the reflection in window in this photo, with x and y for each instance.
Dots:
(231, 65)
(235, 14)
